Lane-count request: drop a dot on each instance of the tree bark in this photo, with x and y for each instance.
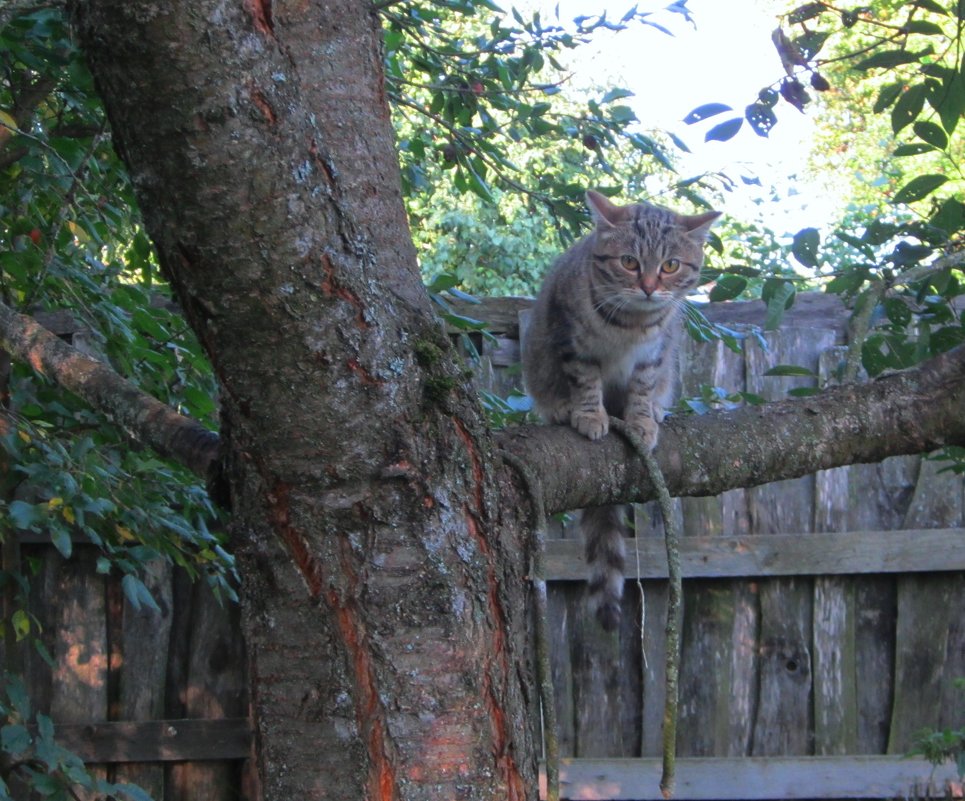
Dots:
(383, 601)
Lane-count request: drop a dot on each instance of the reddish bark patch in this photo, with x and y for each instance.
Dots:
(297, 546)
(368, 708)
(497, 664)
(364, 375)
(262, 104)
(330, 286)
(322, 162)
(477, 468)
(260, 13)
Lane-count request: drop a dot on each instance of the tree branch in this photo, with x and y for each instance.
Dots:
(913, 411)
(908, 412)
(145, 418)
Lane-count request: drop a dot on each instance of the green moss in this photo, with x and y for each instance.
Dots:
(427, 353)
(438, 388)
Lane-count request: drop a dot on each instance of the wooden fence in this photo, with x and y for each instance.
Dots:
(824, 617)
(824, 625)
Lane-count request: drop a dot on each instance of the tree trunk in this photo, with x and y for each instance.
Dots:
(382, 591)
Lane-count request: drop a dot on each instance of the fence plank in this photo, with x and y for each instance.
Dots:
(924, 625)
(854, 552)
(79, 614)
(758, 779)
(179, 740)
(142, 653)
(835, 679)
(213, 686)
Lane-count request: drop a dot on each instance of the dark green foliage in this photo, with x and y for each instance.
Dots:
(71, 246)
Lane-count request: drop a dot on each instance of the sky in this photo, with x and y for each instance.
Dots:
(726, 57)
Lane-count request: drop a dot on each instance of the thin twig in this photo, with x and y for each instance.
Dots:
(674, 606)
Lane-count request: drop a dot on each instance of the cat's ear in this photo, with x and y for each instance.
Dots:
(698, 225)
(604, 213)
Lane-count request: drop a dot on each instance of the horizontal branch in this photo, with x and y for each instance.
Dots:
(909, 412)
(144, 418)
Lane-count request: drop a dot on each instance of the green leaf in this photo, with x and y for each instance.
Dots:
(133, 792)
(923, 26)
(811, 42)
(761, 118)
(887, 59)
(803, 392)
(913, 149)
(23, 515)
(950, 217)
(442, 282)
(806, 12)
(15, 739)
(60, 537)
(705, 111)
(20, 621)
(778, 294)
(931, 133)
(724, 131)
(790, 370)
(728, 287)
(805, 246)
(887, 95)
(919, 187)
(931, 5)
(137, 593)
(615, 94)
(908, 107)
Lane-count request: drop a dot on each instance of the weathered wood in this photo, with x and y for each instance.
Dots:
(79, 690)
(783, 723)
(758, 779)
(925, 604)
(835, 679)
(213, 687)
(718, 705)
(855, 552)
(176, 740)
(141, 654)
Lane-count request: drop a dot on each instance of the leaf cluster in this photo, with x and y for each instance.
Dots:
(72, 251)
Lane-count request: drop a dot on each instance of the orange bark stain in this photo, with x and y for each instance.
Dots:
(363, 374)
(262, 104)
(497, 664)
(477, 468)
(301, 554)
(369, 715)
(331, 287)
(260, 13)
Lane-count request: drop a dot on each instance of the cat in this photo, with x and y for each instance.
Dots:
(602, 340)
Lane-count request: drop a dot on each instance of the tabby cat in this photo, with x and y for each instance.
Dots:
(602, 340)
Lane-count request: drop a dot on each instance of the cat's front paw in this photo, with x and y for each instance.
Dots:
(647, 429)
(592, 425)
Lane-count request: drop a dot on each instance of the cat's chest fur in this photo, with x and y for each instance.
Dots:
(618, 349)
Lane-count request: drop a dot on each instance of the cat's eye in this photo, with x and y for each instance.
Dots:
(670, 266)
(629, 263)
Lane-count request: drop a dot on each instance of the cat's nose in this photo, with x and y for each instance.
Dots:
(649, 285)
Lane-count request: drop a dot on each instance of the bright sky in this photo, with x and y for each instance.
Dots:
(728, 57)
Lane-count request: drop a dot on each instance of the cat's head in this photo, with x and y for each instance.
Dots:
(646, 256)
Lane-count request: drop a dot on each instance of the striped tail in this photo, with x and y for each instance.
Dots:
(603, 529)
